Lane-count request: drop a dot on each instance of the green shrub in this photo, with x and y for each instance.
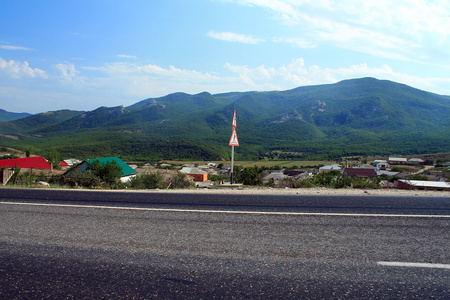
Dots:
(180, 181)
(147, 181)
(110, 172)
(249, 176)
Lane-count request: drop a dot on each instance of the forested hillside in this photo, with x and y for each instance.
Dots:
(353, 117)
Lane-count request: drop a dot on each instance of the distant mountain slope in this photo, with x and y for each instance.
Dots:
(348, 109)
(37, 122)
(10, 116)
(352, 117)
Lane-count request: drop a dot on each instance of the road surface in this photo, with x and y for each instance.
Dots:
(122, 245)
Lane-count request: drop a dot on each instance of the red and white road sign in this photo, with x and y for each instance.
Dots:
(234, 139)
(234, 119)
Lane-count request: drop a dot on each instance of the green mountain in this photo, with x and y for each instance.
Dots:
(353, 117)
(10, 116)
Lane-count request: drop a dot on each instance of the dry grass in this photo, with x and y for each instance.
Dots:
(5, 150)
(266, 163)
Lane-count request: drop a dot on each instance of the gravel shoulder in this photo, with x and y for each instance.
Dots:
(310, 191)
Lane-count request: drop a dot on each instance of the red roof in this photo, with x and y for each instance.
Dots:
(35, 162)
(64, 164)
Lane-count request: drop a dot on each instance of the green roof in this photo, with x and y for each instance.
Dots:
(126, 169)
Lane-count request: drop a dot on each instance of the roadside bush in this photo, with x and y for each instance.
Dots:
(304, 183)
(285, 183)
(85, 178)
(296, 184)
(249, 176)
(397, 169)
(216, 178)
(326, 179)
(25, 178)
(147, 181)
(418, 177)
(342, 182)
(365, 183)
(180, 181)
(109, 172)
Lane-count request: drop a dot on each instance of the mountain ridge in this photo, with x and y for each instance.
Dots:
(356, 116)
(11, 116)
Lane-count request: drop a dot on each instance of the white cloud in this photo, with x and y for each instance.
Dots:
(67, 71)
(298, 74)
(128, 69)
(126, 56)
(9, 47)
(234, 37)
(401, 29)
(114, 84)
(152, 80)
(17, 69)
(297, 42)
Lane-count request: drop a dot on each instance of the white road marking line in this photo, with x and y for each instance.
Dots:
(413, 265)
(227, 211)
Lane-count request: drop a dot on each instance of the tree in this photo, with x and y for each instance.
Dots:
(249, 176)
(54, 158)
(109, 172)
(28, 151)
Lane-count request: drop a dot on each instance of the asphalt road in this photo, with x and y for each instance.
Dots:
(116, 245)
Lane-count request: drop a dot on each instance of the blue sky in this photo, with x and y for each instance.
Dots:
(85, 54)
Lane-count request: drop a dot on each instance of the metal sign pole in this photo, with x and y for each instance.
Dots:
(233, 142)
(232, 162)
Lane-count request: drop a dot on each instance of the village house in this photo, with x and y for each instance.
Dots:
(422, 185)
(26, 164)
(415, 161)
(381, 164)
(35, 162)
(296, 174)
(387, 173)
(127, 171)
(436, 176)
(330, 168)
(360, 173)
(398, 161)
(72, 162)
(275, 176)
(199, 175)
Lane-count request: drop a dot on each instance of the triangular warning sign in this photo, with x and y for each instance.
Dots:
(234, 139)
(234, 119)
